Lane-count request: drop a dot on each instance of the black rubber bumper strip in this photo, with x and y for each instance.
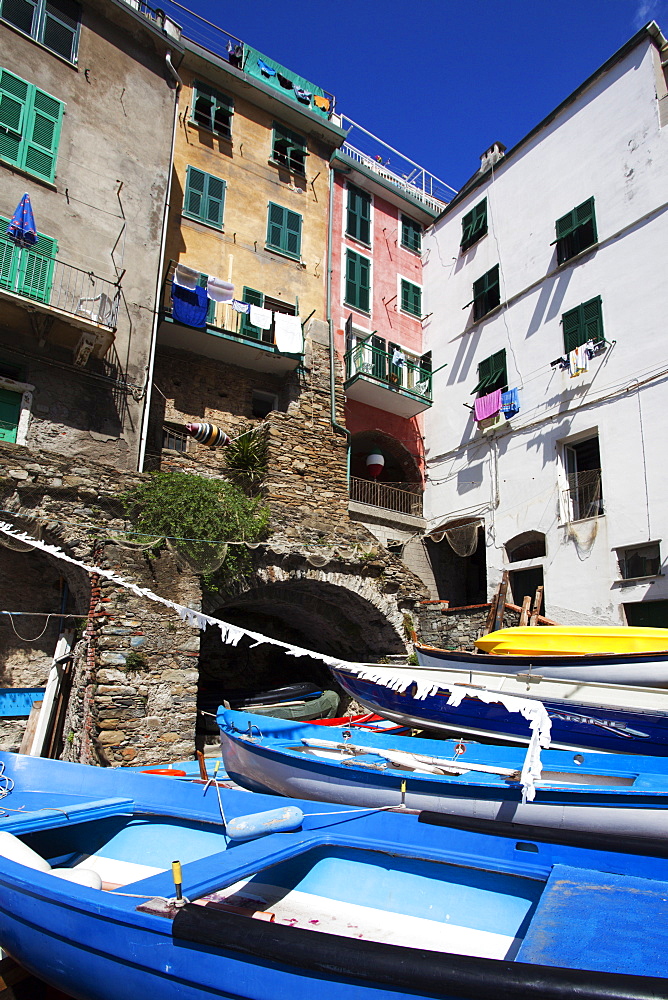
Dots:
(422, 973)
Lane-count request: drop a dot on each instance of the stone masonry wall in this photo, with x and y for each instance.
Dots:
(455, 628)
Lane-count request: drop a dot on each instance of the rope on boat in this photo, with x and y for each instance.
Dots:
(6, 783)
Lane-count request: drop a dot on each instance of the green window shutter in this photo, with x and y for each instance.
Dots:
(583, 323)
(253, 298)
(358, 274)
(411, 234)
(576, 231)
(215, 200)
(289, 148)
(9, 258)
(10, 411)
(42, 135)
(411, 298)
(284, 229)
(14, 95)
(193, 201)
(358, 223)
(492, 374)
(474, 224)
(212, 110)
(204, 197)
(36, 268)
(211, 308)
(486, 293)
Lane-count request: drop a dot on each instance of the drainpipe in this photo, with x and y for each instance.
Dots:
(339, 428)
(148, 385)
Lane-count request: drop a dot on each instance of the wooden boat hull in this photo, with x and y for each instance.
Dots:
(641, 669)
(506, 907)
(621, 796)
(605, 717)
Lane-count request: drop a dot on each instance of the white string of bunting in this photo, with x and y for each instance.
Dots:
(230, 634)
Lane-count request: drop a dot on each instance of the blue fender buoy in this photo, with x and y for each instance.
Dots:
(272, 821)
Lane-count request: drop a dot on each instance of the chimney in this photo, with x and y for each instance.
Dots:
(491, 156)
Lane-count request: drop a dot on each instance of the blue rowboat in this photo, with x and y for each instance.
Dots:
(277, 900)
(624, 796)
(613, 718)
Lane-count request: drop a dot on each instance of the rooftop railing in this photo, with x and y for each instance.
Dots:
(404, 498)
(394, 370)
(62, 286)
(393, 167)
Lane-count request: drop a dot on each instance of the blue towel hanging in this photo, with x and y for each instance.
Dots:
(189, 305)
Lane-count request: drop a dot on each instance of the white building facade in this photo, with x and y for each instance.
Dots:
(547, 275)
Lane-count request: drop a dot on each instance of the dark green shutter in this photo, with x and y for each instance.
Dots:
(204, 197)
(14, 94)
(359, 215)
(215, 200)
(36, 268)
(211, 109)
(379, 357)
(411, 298)
(491, 374)
(211, 307)
(284, 229)
(411, 234)
(289, 148)
(576, 231)
(358, 270)
(583, 323)
(486, 293)
(253, 298)
(474, 224)
(42, 135)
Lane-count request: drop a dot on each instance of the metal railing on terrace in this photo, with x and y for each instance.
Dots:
(404, 498)
(60, 286)
(223, 316)
(584, 497)
(396, 371)
(157, 16)
(243, 56)
(395, 168)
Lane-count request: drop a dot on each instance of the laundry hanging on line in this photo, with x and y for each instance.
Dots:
(187, 277)
(288, 335)
(321, 102)
(240, 307)
(189, 305)
(260, 317)
(219, 290)
(510, 403)
(578, 361)
(398, 358)
(302, 95)
(487, 406)
(264, 69)
(284, 81)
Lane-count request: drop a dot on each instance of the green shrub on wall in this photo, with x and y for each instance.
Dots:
(197, 517)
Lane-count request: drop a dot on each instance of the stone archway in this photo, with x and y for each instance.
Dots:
(400, 465)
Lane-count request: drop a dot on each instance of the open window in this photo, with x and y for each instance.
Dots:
(474, 225)
(492, 374)
(289, 149)
(583, 324)
(638, 561)
(584, 496)
(54, 23)
(486, 293)
(212, 110)
(576, 231)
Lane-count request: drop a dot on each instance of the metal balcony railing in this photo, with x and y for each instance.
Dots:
(62, 286)
(406, 375)
(395, 168)
(158, 17)
(404, 498)
(584, 497)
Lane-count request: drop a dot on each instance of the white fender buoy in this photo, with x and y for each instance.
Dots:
(272, 821)
(82, 876)
(14, 849)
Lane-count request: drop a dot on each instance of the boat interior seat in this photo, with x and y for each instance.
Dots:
(78, 812)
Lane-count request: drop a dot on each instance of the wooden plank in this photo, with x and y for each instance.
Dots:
(537, 602)
(202, 766)
(492, 614)
(526, 610)
(501, 603)
(31, 726)
(44, 723)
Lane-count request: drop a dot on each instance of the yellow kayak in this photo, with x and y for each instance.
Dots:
(569, 640)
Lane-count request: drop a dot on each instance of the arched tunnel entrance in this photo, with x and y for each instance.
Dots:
(309, 613)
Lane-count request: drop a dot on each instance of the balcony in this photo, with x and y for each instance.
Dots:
(227, 336)
(46, 285)
(394, 170)
(401, 498)
(372, 378)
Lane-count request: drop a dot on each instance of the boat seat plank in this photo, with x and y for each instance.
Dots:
(599, 921)
(79, 812)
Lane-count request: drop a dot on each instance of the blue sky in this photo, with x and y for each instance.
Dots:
(440, 80)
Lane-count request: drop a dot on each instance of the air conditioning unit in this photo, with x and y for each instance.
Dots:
(86, 345)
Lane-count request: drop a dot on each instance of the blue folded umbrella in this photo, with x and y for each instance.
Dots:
(22, 228)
